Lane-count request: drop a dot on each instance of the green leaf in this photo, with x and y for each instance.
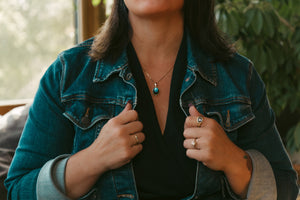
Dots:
(233, 25)
(268, 27)
(275, 18)
(259, 59)
(272, 64)
(249, 16)
(296, 35)
(297, 49)
(277, 52)
(257, 22)
(294, 104)
(252, 53)
(263, 60)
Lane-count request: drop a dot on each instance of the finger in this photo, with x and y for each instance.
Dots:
(128, 106)
(136, 149)
(138, 138)
(133, 127)
(195, 143)
(127, 115)
(130, 153)
(195, 121)
(195, 132)
(195, 154)
(191, 144)
(194, 112)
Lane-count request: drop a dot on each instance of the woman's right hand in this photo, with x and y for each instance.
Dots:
(117, 144)
(119, 140)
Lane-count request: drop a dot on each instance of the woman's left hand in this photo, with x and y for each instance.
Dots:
(208, 143)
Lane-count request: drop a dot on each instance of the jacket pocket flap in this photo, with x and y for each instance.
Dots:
(86, 115)
(231, 116)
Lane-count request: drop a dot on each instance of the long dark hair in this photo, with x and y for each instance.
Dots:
(199, 18)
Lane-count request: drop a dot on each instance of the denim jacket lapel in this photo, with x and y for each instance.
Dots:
(106, 68)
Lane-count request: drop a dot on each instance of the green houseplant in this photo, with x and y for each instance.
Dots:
(268, 32)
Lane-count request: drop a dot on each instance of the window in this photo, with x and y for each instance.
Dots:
(32, 34)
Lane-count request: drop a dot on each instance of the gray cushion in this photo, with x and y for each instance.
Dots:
(11, 127)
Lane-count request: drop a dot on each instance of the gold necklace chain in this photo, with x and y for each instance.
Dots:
(155, 90)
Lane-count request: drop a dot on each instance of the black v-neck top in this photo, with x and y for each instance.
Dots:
(162, 170)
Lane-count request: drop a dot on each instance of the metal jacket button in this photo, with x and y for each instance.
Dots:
(128, 76)
(85, 121)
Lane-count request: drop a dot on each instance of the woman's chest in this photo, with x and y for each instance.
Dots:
(161, 101)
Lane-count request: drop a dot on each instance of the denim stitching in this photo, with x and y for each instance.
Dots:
(225, 101)
(92, 99)
(63, 71)
(250, 68)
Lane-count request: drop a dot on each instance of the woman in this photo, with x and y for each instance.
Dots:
(157, 106)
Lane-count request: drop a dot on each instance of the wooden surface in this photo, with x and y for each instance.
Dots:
(6, 106)
(90, 19)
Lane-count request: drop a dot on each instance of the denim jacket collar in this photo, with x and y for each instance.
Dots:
(202, 64)
(104, 69)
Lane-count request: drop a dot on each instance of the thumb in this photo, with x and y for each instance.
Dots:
(193, 111)
(128, 107)
(123, 116)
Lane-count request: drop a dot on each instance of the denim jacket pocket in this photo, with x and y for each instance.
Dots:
(231, 116)
(88, 120)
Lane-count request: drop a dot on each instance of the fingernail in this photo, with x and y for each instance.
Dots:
(191, 104)
(129, 101)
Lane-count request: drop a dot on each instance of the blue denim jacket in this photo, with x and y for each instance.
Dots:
(77, 96)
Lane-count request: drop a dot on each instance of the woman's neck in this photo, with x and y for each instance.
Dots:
(157, 39)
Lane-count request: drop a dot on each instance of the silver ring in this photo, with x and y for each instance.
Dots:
(136, 139)
(194, 143)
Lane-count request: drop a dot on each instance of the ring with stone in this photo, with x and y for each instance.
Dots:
(199, 121)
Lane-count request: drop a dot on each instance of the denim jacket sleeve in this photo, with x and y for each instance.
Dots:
(50, 182)
(262, 185)
(47, 134)
(261, 135)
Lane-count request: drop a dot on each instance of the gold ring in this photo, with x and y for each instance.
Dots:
(194, 143)
(199, 121)
(136, 139)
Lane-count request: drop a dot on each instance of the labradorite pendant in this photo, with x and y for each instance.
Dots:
(155, 89)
